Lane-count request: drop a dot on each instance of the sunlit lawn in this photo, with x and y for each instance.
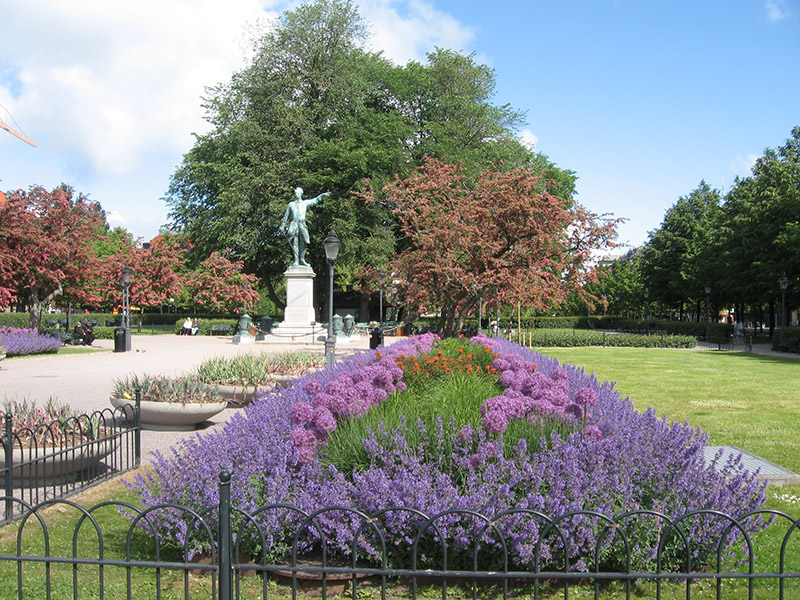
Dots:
(738, 399)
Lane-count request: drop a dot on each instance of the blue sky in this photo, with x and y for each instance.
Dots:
(642, 99)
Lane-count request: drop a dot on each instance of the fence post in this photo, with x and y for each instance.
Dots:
(137, 432)
(224, 548)
(9, 451)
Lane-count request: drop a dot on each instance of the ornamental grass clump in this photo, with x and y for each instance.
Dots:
(435, 455)
(20, 342)
(161, 388)
(256, 369)
(53, 424)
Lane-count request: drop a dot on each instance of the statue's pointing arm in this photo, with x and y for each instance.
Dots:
(318, 198)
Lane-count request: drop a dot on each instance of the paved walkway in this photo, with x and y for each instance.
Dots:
(85, 380)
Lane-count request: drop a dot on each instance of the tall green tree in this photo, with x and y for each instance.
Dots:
(761, 228)
(314, 109)
(678, 258)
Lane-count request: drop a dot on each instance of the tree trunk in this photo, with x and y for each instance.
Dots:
(771, 318)
(36, 304)
(363, 308)
(271, 291)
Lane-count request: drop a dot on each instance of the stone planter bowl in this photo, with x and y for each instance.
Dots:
(171, 416)
(58, 465)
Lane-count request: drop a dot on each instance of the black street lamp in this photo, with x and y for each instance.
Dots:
(125, 280)
(646, 302)
(708, 310)
(332, 244)
(784, 283)
(381, 275)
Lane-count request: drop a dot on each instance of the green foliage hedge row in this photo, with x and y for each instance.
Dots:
(718, 331)
(567, 338)
(22, 319)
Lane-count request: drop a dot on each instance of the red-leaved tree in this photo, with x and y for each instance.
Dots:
(156, 273)
(218, 284)
(504, 234)
(46, 247)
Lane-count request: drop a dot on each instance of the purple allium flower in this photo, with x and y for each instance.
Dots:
(586, 397)
(495, 421)
(324, 420)
(302, 413)
(575, 411)
(592, 433)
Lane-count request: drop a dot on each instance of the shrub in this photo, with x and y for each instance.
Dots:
(19, 342)
(607, 458)
(568, 338)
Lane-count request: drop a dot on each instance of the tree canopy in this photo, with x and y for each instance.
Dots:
(314, 109)
(502, 233)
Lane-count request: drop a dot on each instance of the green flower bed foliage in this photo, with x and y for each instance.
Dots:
(454, 379)
(256, 369)
(161, 388)
(572, 338)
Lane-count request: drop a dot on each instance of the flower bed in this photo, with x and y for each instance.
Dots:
(549, 439)
(19, 342)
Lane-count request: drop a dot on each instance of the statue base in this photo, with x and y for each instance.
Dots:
(299, 320)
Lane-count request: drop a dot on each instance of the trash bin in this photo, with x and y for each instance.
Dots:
(266, 325)
(375, 338)
(119, 339)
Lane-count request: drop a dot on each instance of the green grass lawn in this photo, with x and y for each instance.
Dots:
(738, 399)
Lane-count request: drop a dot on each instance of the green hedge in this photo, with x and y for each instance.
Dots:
(718, 331)
(22, 319)
(566, 338)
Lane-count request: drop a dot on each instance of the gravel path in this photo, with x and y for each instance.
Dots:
(85, 380)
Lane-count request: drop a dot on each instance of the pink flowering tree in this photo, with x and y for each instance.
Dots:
(219, 284)
(505, 233)
(46, 248)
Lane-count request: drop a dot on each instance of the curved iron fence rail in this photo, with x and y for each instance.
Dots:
(61, 458)
(147, 558)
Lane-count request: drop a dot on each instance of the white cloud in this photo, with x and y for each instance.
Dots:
(108, 84)
(408, 30)
(114, 218)
(743, 165)
(528, 138)
(777, 10)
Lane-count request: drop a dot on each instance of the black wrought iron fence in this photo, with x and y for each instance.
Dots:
(153, 556)
(60, 458)
(730, 343)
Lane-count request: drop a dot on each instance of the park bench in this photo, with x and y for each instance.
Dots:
(219, 329)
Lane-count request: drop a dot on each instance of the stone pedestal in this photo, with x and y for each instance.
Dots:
(299, 320)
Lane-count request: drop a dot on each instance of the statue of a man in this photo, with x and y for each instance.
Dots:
(296, 231)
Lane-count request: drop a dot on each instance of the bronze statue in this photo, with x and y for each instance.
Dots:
(296, 230)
